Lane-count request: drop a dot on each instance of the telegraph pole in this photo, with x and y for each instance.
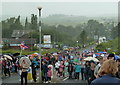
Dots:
(40, 76)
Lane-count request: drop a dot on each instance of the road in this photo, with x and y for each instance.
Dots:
(14, 79)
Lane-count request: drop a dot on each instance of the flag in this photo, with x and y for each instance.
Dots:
(23, 46)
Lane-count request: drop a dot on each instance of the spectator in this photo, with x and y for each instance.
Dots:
(51, 67)
(49, 74)
(57, 64)
(77, 71)
(61, 69)
(107, 71)
(66, 68)
(45, 70)
(87, 68)
(118, 73)
(34, 68)
(111, 56)
(70, 70)
(82, 68)
(24, 66)
(98, 66)
(91, 76)
(7, 68)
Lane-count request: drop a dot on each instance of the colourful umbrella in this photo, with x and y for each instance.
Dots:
(91, 58)
(26, 59)
(102, 52)
(7, 56)
(116, 57)
(76, 60)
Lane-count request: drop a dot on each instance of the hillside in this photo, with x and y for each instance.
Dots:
(66, 20)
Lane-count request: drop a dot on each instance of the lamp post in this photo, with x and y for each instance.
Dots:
(77, 44)
(56, 34)
(39, 9)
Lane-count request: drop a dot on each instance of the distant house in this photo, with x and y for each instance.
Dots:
(18, 36)
(15, 43)
(21, 33)
(102, 39)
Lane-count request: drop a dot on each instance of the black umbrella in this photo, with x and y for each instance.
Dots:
(16, 54)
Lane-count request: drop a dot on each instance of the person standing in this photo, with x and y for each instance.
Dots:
(98, 66)
(61, 69)
(107, 72)
(87, 68)
(57, 64)
(118, 72)
(91, 76)
(49, 74)
(70, 70)
(77, 71)
(7, 68)
(34, 74)
(111, 56)
(66, 68)
(51, 67)
(45, 70)
(24, 68)
(82, 68)
(16, 65)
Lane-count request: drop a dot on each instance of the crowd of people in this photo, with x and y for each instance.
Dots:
(63, 64)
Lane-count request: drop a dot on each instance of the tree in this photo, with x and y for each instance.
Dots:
(34, 22)
(116, 31)
(26, 23)
(83, 37)
(17, 24)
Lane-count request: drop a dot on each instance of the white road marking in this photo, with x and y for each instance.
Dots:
(65, 79)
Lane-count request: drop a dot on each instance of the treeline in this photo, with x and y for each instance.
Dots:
(60, 34)
(114, 44)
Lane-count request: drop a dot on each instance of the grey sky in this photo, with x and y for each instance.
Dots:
(67, 8)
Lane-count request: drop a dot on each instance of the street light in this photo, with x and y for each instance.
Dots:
(56, 34)
(39, 9)
(77, 44)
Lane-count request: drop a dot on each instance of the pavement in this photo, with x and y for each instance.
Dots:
(15, 78)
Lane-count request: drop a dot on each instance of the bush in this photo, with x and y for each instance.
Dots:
(113, 44)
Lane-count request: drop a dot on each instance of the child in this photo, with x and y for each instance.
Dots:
(49, 74)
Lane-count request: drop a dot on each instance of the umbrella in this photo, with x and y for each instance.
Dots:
(37, 54)
(7, 56)
(98, 54)
(34, 55)
(86, 50)
(89, 54)
(102, 55)
(95, 55)
(91, 58)
(55, 54)
(116, 57)
(16, 54)
(45, 58)
(102, 52)
(76, 60)
(27, 60)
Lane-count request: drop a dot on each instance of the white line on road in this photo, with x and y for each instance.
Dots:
(65, 79)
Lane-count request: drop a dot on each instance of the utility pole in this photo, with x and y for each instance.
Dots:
(40, 76)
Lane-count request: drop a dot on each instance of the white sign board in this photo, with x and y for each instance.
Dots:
(47, 38)
(14, 44)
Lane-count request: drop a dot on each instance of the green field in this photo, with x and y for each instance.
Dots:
(28, 52)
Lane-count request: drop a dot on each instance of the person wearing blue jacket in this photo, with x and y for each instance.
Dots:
(77, 71)
(107, 73)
